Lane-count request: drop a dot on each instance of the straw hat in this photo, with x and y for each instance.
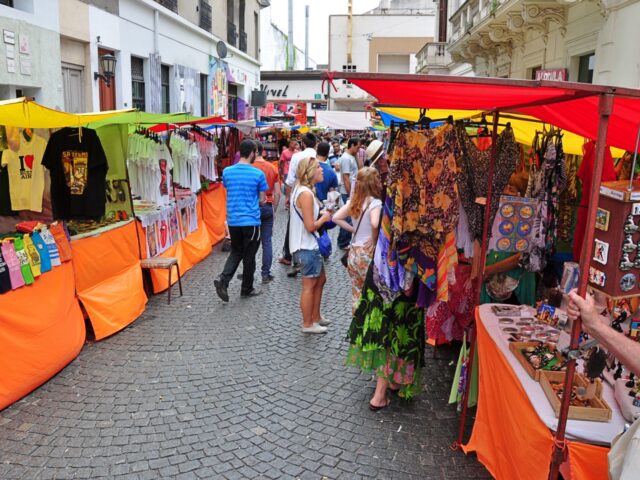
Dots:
(374, 150)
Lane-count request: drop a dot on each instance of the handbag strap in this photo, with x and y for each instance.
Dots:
(294, 207)
(360, 221)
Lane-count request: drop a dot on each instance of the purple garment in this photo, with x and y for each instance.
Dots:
(425, 295)
(236, 157)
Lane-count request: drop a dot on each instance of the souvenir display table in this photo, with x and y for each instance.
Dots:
(512, 434)
(42, 331)
(107, 274)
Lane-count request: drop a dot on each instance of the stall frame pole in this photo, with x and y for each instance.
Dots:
(480, 278)
(605, 108)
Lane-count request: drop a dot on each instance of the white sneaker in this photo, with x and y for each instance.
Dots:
(324, 322)
(315, 328)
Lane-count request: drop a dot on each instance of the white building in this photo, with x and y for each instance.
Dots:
(575, 40)
(273, 47)
(383, 40)
(166, 54)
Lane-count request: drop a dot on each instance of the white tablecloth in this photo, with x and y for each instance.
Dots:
(590, 432)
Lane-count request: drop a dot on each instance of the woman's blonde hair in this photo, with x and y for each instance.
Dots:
(367, 185)
(306, 171)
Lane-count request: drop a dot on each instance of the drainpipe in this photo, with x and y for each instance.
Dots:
(290, 46)
(349, 32)
(156, 28)
(306, 37)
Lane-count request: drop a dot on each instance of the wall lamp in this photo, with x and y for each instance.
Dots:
(108, 67)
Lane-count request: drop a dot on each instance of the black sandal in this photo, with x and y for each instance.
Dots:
(375, 408)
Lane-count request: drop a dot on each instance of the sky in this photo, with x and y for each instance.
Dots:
(319, 11)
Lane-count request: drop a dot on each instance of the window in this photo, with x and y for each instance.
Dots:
(349, 69)
(394, 64)
(7, 3)
(243, 35)
(585, 68)
(256, 29)
(137, 83)
(205, 15)
(170, 4)
(534, 72)
(204, 95)
(164, 86)
(233, 101)
(73, 88)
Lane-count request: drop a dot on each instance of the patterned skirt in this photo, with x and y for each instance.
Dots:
(388, 337)
(357, 266)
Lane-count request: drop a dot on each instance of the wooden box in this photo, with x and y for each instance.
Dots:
(615, 206)
(517, 347)
(599, 411)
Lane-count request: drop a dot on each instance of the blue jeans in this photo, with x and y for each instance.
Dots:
(266, 234)
(310, 261)
(344, 237)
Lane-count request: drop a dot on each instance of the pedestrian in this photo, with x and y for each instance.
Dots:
(330, 179)
(309, 140)
(246, 187)
(348, 172)
(306, 220)
(267, 211)
(364, 208)
(337, 152)
(285, 159)
(361, 155)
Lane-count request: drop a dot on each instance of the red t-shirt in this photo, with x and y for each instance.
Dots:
(285, 159)
(272, 176)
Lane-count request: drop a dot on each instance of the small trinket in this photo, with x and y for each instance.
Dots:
(628, 245)
(629, 225)
(625, 263)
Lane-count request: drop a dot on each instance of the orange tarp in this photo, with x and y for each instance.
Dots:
(42, 331)
(508, 436)
(109, 279)
(214, 210)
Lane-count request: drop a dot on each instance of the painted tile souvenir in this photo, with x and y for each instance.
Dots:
(627, 282)
(601, 252)
(635, 209)
(602, 219)
(597, 277)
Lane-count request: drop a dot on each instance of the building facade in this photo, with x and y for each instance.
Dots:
(273, 42)
(384, 40)
(167, 54)
(292, 95)
(573, 40)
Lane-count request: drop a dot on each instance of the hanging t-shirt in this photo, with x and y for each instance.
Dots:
(78, 167)
(52, 248)
(25, 268)
(13, 264)
(5, 197)
(45, 259)
(166, 164)
(5, 278)
(26, 175)
(32, 255)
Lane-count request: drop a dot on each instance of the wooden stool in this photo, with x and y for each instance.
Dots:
(167, 263)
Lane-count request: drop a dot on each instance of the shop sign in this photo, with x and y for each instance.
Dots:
(555, 74)
(279, 93)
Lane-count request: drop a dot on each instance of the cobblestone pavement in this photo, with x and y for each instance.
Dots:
(202, 389)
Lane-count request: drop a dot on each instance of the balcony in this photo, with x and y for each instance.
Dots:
(243, 42)
(232, 34)
(170, 4)
(433, 58)
(491, 29)
(205, 15)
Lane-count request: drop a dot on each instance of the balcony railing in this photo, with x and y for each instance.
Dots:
(205, 15)
(243, 42)
(170, 4)
(433, 55)
(232, 34)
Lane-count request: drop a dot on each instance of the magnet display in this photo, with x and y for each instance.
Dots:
(597, 277)
(602, 219)
(627, 282)
(601, 252)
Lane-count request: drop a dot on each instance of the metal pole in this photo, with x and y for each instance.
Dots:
(480, 279)
(290, 46)
(605, 107)
(306, 37)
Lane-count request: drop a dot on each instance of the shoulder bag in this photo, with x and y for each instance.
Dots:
(345, 257)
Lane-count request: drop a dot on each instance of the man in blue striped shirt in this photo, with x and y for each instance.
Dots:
(246, 187)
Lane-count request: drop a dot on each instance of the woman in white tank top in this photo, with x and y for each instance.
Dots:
(364, 208)
(304, 223)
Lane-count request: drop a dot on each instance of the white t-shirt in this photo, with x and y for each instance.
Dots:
(365, 231)
(348, 166)
(293, 165)
(299, 237)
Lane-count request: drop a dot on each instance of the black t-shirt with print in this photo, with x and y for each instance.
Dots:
(5, 196)
(5, 278)
(78, 167)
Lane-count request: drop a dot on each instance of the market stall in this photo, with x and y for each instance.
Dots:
(555, 103)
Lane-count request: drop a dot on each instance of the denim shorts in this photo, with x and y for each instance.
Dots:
(310, 261)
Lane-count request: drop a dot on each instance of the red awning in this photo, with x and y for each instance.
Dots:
(162, 127)
(570, 106)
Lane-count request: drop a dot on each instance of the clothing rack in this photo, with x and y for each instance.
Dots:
(148, 134)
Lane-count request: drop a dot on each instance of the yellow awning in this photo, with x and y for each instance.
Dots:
(524, 128)
(26, 113)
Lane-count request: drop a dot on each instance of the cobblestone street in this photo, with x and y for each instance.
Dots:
(203, 389)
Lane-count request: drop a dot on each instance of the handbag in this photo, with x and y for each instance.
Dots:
(345, 257)
(323, 240)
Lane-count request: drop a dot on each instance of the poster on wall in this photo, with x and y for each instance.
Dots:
(218, 93)
(24, 44)
(185, 81)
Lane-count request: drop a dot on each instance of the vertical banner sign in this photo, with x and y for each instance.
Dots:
(217, 88)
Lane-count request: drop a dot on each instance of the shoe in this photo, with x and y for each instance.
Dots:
(324, 322)
(221, 290)
(375, 408)
(253, 293)
(267, 278)
(315, 328)
(293, 273)
(284, 261)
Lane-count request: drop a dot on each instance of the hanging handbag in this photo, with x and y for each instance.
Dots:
(323, 239)
(345, 257)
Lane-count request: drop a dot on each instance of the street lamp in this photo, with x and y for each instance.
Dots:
(108, 67)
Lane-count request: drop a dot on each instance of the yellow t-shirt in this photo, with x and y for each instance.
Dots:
(32, 255)
(26, 173)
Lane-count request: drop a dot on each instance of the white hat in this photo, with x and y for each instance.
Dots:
(374, 150)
